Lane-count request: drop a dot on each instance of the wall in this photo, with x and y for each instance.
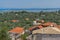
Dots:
(46, 37)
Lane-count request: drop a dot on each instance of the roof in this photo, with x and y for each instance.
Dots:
(17, 30)
(47, 24)
(14, 20)
(31, 28)
(47, 30)
(42, 21)
(58, 26)
(26, 18)
(40, 26)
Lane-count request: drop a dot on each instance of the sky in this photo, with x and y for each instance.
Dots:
(29, 3)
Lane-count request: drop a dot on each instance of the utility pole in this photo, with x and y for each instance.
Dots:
(57, 12)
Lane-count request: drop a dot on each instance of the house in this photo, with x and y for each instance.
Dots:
(35, 27)
(38, 22)
(49, 24)
(35, 23)
(14, 20)
(47, 33)
(27, 19)
(47, 30)
(16, 33)
(58, 26)
(43, 23)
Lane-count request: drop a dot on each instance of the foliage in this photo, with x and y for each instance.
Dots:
(4, 34)
(24, 36)
(25, 20)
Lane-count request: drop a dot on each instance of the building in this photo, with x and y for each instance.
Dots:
(14, 20)
(49, 24)
(47, 33)
(16, 33)
(38, 22)
(35, 28)
(47, 30)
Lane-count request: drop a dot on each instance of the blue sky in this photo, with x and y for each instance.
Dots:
(29, 3)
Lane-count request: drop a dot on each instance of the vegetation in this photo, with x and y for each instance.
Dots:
(25, 20)
(4, 34)
(24, 36)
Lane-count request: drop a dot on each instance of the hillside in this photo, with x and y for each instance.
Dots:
(12, 19)
(26, 18)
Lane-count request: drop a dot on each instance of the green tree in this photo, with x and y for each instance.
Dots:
(4, 34)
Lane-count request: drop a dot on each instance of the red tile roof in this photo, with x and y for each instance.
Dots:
(17, 30)
(58, 26)
(40, 27)
(14, 20)
(47, 24)
(31, 28)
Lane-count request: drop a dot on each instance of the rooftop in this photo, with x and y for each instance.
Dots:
(31, 28)
(17, 30)
(47, 30)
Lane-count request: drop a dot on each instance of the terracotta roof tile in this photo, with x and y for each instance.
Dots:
(14, 20)
(31, 28)
(17, 30)
(47, 24)
(40, 27)
(58, 26)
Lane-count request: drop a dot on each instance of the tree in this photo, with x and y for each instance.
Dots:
(4, 34)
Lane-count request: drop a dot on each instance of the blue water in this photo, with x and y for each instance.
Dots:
(29, 9)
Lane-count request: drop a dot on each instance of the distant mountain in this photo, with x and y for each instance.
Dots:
(29, 9)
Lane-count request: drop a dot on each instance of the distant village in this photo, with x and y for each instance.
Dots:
(40, 30)
(26, 25)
